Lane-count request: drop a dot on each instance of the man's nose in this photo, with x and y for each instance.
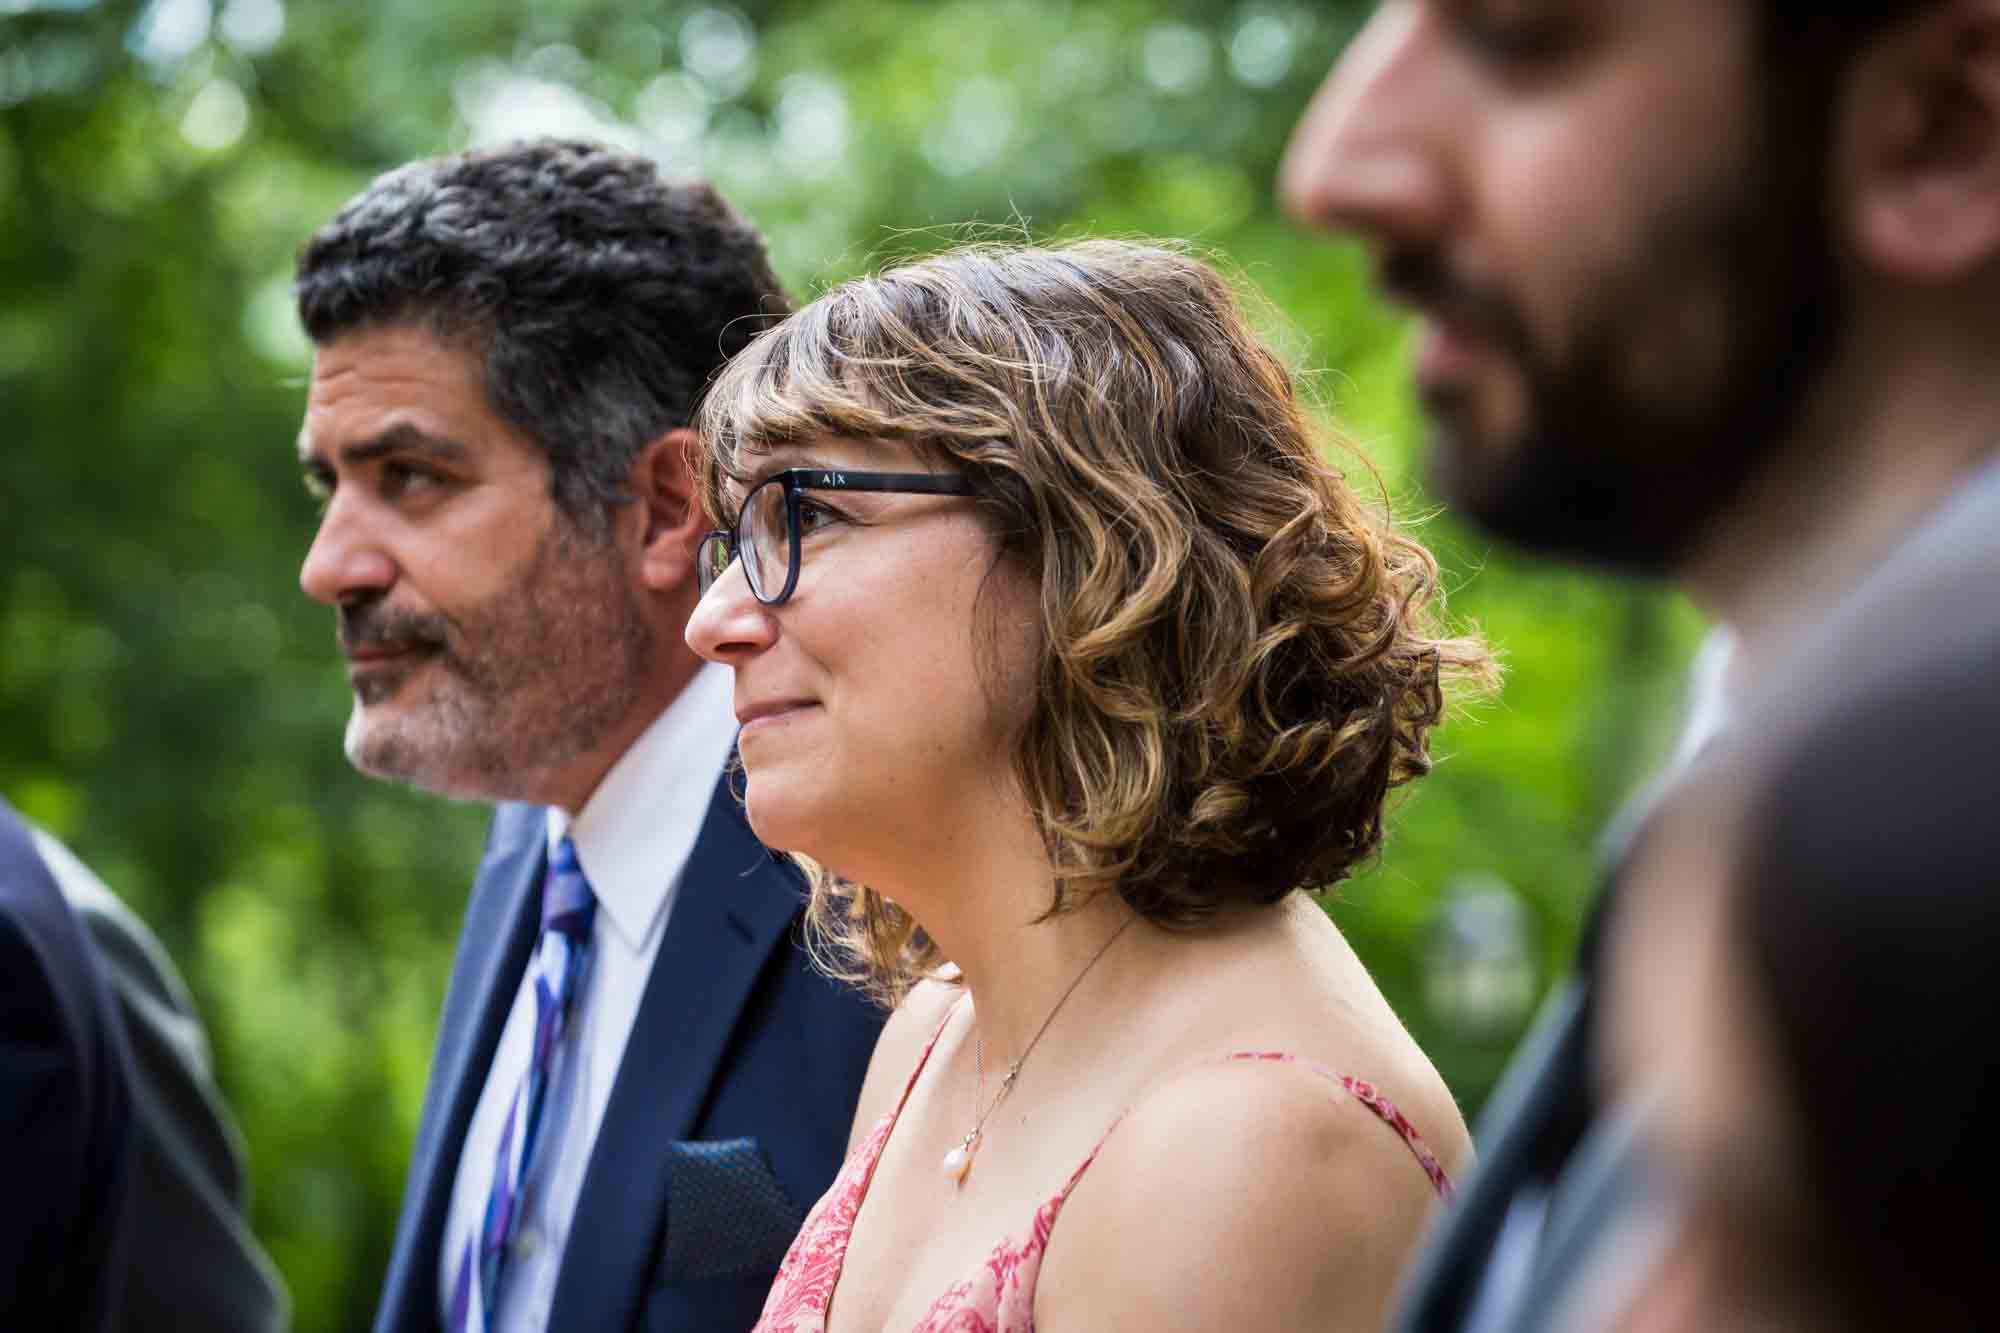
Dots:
(1365, 157)
(346, 562)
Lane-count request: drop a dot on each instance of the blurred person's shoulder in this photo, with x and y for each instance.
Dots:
(1928, 602)
(126, 945)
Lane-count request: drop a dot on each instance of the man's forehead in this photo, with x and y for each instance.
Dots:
(400, 387)
(399, 360)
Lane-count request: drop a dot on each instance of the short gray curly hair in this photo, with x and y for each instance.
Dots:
(600, 298)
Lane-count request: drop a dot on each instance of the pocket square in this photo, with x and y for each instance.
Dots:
(727, 1215)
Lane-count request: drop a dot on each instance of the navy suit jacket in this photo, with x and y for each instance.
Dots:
(65, 1106)
(729, 1115)
(192, 1261)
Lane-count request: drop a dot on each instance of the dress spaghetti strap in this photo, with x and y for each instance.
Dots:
(1371, 1097)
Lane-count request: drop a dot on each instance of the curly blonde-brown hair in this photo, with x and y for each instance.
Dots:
(1241, 658)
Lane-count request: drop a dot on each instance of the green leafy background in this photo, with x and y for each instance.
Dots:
(171, 705)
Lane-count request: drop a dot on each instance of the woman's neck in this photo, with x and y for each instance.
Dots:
(986, 907)
(1021, 975)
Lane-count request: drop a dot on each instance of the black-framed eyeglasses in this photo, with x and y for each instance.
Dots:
(766, 534)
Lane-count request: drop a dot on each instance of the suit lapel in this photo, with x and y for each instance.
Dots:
(1530, 1122)
(733, 910)
(499, 933)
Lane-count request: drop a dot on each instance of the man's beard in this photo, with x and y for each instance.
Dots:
(1686, 370)
(512, 689)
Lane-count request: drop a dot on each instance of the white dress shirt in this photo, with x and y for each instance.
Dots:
(633, 838)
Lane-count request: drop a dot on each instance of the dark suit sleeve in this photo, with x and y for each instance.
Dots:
(65, 1106)
(192, 1261)
(62, 1168)
(40, 1107)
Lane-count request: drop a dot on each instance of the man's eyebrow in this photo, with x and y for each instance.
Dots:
(399, 439)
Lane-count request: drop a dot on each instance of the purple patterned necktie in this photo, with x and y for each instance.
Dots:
(568, 907)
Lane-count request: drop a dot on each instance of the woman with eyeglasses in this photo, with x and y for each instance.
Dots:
(1065, 662)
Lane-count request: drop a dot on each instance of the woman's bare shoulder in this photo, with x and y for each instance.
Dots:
(1267, 1170)
(1329, 1010)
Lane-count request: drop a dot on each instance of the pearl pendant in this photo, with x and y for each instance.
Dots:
(958, 1162)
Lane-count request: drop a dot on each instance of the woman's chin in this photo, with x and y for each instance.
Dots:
(779, 818)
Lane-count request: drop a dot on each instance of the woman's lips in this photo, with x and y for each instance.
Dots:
(766, 715)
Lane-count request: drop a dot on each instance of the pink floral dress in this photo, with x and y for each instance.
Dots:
(999, 1297)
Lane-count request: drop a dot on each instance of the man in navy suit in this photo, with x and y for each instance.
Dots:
(509, 345)
(65, 1106)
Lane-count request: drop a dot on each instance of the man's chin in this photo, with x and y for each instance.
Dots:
(382, 746)
(1470, 474)
(1546, 501)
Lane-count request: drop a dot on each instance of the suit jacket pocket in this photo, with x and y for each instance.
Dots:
(727, 1216)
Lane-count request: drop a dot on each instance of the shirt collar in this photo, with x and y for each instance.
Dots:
(1711, 703)
(633, 836)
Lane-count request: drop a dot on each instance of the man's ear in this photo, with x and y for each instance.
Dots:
(663, 486)
(1919, 144)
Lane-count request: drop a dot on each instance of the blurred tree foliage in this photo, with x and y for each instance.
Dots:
(172, 706)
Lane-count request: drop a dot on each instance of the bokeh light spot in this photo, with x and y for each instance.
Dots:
(217, 116)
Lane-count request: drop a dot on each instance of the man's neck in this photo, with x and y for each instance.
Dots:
(571, 786)
(1872, 456)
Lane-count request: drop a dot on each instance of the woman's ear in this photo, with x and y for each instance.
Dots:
(1919, 144)
(663, 486)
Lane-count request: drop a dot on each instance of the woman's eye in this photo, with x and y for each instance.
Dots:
(813, 516)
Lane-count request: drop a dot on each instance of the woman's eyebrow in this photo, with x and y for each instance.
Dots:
(754, 472)
(785, 458)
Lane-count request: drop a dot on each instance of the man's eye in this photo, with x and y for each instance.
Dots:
(319, 486)
(1516, 41)
(405, 478)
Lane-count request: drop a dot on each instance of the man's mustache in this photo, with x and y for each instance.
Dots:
(363, 626)
(1421, 280)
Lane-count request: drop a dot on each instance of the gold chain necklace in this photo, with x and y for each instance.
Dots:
(958, 1162)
